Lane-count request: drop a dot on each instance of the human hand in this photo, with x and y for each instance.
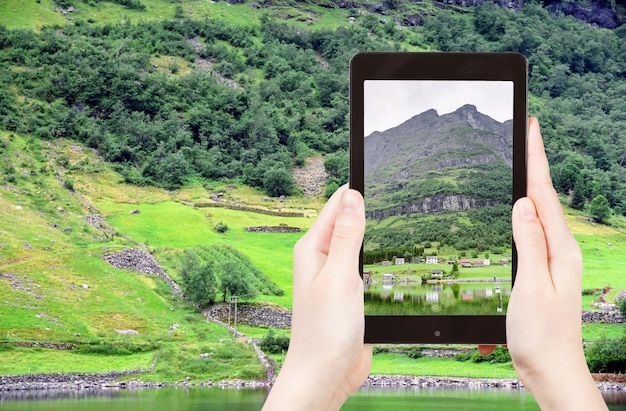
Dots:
(327, 359)
(544, 332)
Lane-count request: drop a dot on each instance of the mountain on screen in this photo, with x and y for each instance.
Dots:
(435, 162)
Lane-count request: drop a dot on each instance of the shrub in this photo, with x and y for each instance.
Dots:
(607, 355)
(414, 352)
(274, 343)
(498, 356)
(463, 356)
(69, 184)
(220, 227)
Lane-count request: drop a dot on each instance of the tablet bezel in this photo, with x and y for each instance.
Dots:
(445, 329)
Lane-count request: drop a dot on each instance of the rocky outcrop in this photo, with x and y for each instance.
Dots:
(596, 13)
(256, 314)
(274, 229)
(440, 202)
(143, 262)
(604, 316)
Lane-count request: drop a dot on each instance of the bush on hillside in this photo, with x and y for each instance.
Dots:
(607, 355)
(274, 343)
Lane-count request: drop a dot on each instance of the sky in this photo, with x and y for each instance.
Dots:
(389, 103)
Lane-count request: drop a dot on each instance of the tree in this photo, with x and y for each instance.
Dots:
(278, 181)
(600, 209)
(578, 196)
(198, 279)
(234, 280)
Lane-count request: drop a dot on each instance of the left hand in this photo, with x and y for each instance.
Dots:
(327, 360)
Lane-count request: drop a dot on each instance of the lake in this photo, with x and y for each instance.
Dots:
(216, 399)
(458, 298)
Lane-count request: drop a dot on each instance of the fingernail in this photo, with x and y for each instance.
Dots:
(527, 209)
(350, 202)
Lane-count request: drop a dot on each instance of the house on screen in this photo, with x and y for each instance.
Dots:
(432, 259)
(436, 273)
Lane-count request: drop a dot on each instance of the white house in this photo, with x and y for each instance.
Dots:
(431, 259)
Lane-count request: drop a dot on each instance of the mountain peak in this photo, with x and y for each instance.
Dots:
(467, 108)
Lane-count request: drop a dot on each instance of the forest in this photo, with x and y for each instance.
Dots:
(177, 100)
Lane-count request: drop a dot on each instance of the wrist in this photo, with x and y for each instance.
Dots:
(562, 383)
(296, 390)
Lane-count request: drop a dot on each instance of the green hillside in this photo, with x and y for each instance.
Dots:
(160, 106)
(56, 287)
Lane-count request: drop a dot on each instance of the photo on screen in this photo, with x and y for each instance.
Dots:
(438, 175)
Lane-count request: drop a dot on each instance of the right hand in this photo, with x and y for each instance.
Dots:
(544, 327)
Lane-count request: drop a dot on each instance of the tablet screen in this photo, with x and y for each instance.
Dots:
(438, 158)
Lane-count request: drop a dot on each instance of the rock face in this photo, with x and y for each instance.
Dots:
(143, 262)
(439, 202)
(593, 12)
(597, 13)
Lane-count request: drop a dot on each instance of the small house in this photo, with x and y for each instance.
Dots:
(399, 261)
(367, 278)
(504, 261)
(388, 278)
(478, 263)
(436, 273)
(432, 259)
(385, 263)
(465, 261)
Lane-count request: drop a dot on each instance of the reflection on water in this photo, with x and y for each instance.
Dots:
(194, 399)
(392, 297)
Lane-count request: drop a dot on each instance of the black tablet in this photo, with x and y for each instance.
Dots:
(438, 150)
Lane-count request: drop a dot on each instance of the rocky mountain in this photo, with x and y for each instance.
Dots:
(435, 162)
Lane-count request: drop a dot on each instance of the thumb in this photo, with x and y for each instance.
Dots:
(530, 242)
(347, 235)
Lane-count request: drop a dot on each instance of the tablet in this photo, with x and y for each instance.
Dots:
(438, 150)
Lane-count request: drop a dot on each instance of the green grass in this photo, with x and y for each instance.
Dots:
(39, 360)
(227, 360)
(400, 364)
(173, 225)
(596, 331)
(17, 14)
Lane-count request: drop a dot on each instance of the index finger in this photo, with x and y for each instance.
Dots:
(560, 243)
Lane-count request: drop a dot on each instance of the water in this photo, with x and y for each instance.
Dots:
(215, 399)
(437, 299)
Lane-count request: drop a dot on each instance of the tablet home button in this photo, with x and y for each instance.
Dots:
(437, 333)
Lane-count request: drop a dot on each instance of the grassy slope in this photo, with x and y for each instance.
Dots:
(56, 287)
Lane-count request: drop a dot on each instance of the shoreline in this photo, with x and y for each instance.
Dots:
(109, 382)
